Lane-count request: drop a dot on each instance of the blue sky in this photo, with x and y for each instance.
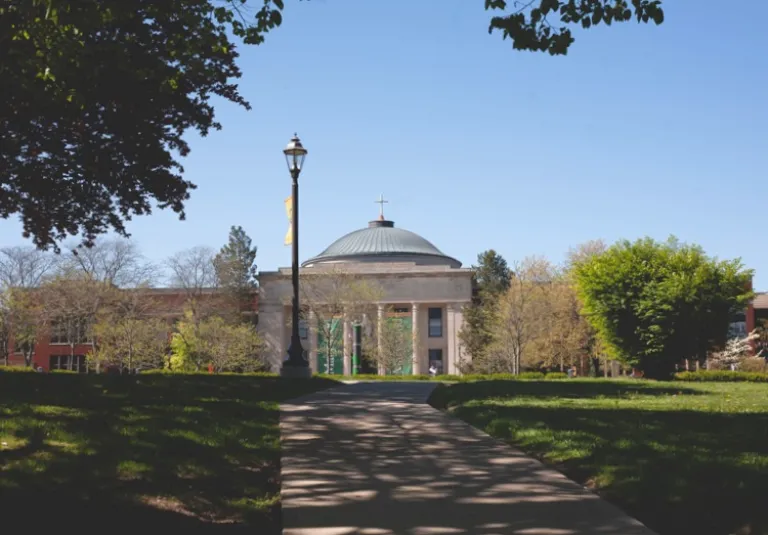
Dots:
(640, 130)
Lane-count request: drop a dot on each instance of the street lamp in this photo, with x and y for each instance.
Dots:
(296, 365)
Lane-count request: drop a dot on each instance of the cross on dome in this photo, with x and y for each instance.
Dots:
(381, 202)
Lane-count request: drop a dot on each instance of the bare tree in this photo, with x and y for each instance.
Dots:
(193, 271)
(71, 303)
(334, 295)
(25, 267)
(520, 321)
(394, 345)
(117, 261)
(583, 252)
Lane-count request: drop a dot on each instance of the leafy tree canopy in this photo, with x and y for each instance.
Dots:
(97, 96)
(530, 23)
(654, 304)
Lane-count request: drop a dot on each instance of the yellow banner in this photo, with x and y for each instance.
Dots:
(289, 211)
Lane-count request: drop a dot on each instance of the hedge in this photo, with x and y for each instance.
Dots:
(722, 376)
(536, 376)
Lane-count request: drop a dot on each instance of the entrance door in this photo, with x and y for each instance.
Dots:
(330, 339)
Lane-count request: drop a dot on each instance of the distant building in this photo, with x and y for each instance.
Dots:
(53, 349)
(422, 287)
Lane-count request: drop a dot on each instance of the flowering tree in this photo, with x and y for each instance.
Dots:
(736, 350)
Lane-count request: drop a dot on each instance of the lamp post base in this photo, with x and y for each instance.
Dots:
(296, 372)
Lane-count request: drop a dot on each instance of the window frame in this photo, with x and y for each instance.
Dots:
(438, 332)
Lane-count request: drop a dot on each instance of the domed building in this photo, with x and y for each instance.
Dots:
(404, 293)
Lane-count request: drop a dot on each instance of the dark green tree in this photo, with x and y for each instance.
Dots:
(654, 304)
(530, 23)
(490, 279)
(235, 266)
(98, 94)
(96, 98)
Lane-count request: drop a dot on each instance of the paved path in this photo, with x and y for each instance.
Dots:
(374, 458)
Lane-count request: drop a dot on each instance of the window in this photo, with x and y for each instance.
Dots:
(435, 322)
(69, 331)
(436, 360)
(67, 362)
(400, 310)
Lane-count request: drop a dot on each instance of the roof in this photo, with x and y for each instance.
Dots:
(382, 242)
(760, 301)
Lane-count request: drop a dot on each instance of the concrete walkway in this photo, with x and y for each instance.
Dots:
(374, 458)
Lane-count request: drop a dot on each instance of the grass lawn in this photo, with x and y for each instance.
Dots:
(109, 453)
(681, 457)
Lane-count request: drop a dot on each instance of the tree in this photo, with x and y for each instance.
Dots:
(72, 303)
(235, 269)
(735, 351)
(592, 346)
(224, 346)
(194, 273)
(334, 295)
(491, 279)
(654, 304)
(5, 327)
(117, 262)
(130, 342)
(98, 96)
(25, 267)
(529, 28)
(521, 321)
(129, 334)
(394, 349)
(27, 319)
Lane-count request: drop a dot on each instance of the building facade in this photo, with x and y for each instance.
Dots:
(53, 350)
(415, 282)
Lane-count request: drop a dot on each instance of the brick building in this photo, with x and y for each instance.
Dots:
(53, 350)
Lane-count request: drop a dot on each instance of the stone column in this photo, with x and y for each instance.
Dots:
(379, 327)
(458, 324)
(347, 346)
(415, 339)
(312, 340)
(450, 338)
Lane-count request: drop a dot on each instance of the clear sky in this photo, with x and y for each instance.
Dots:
(639, 131)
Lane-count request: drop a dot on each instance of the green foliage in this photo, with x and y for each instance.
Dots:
(236, 268)
(214, 342)
(723, 376)
(491, 278)
(97, 97)
(654, 304)
(529, 27)
(468, 378)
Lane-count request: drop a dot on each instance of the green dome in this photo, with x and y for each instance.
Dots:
(382, 242)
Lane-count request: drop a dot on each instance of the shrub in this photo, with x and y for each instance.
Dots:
(531, 375)
(722, 376)
(754, 365)
(556, 375)
(16, 369)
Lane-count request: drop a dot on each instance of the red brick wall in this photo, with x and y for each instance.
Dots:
(170, 303)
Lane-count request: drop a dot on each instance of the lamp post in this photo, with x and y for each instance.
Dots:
(296, 365)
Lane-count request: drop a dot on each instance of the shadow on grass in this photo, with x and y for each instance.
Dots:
(194, 453)
(678, 471)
